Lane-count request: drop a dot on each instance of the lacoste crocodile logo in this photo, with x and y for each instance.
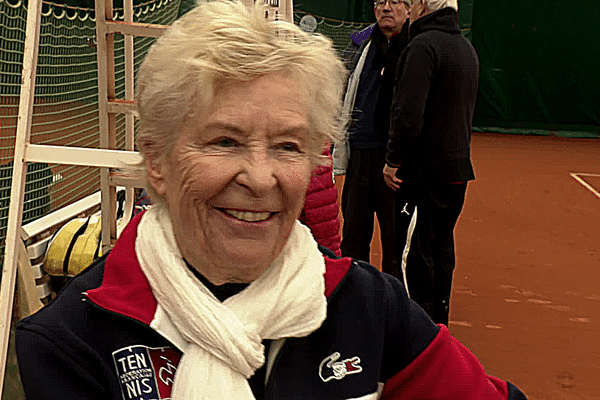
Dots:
(330, 368)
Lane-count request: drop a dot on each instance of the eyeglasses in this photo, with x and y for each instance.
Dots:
(393, 3)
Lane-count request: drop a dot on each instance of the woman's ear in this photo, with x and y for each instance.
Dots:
(155, 174)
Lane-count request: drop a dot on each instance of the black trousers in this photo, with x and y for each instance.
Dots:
(364, 195)
(429, 257)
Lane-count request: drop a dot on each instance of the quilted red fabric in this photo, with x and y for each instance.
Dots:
(320, 211)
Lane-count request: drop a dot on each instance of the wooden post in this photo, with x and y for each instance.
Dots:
(129, 118)
(17, 195)
(106, 119)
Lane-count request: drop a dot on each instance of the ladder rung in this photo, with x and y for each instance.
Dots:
(38, 249)
(135, 28)
(59, 216)
(82, 156)
(122, 106)
(38, 270)
(44, 290)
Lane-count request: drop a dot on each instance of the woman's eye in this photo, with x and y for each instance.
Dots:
(289, 146)
(225, 142)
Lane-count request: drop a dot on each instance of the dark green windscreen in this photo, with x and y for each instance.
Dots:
(539, 66)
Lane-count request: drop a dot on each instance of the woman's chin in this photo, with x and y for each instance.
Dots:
(244, 266)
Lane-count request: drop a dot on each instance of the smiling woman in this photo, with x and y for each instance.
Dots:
(217, 291)
(233, 119)
(235, 179)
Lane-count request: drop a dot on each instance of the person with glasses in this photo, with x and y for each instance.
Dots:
(371, 57)
(428, 158)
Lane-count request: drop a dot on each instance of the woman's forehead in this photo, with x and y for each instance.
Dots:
(273, 97)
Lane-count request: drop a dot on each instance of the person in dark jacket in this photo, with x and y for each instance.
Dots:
(371, 56)
(217, 291)
(428, 154)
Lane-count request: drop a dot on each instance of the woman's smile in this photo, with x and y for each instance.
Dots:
(248, 216)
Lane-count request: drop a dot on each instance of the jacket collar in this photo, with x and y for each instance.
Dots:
(125, 290)
(445, 20)
(359, 37)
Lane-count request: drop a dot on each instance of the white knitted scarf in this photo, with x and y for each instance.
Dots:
(224, 339)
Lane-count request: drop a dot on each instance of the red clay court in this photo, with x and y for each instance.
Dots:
(526, 291)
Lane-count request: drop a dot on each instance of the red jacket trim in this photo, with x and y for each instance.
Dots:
(125, 289)
(445, 369)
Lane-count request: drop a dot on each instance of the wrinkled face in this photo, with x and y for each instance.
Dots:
(417, 10)
(391, 15)
(236, 178)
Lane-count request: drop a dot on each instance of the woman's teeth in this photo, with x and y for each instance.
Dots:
(249, 216)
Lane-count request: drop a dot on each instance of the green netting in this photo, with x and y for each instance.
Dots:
(65, 105)
(66, 95)
(338, 31)
(360, 11)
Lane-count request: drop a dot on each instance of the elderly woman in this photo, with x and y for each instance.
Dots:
(217, 291)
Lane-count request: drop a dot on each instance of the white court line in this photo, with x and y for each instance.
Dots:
(584, 183)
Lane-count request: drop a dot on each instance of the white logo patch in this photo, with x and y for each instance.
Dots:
(330, 368)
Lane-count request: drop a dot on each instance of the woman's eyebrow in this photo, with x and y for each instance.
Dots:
(296, 129)
(225, 126)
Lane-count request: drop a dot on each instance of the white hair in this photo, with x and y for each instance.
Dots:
(221, 43)
(435, 5)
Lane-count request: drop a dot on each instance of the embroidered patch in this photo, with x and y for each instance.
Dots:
(146, 373)
(330, 368)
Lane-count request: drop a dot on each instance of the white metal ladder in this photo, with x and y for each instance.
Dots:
(117, 166)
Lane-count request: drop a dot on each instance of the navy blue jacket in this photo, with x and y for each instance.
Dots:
(102, 338)
(370, 119)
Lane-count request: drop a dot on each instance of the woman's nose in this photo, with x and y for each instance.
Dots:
(258, 173)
